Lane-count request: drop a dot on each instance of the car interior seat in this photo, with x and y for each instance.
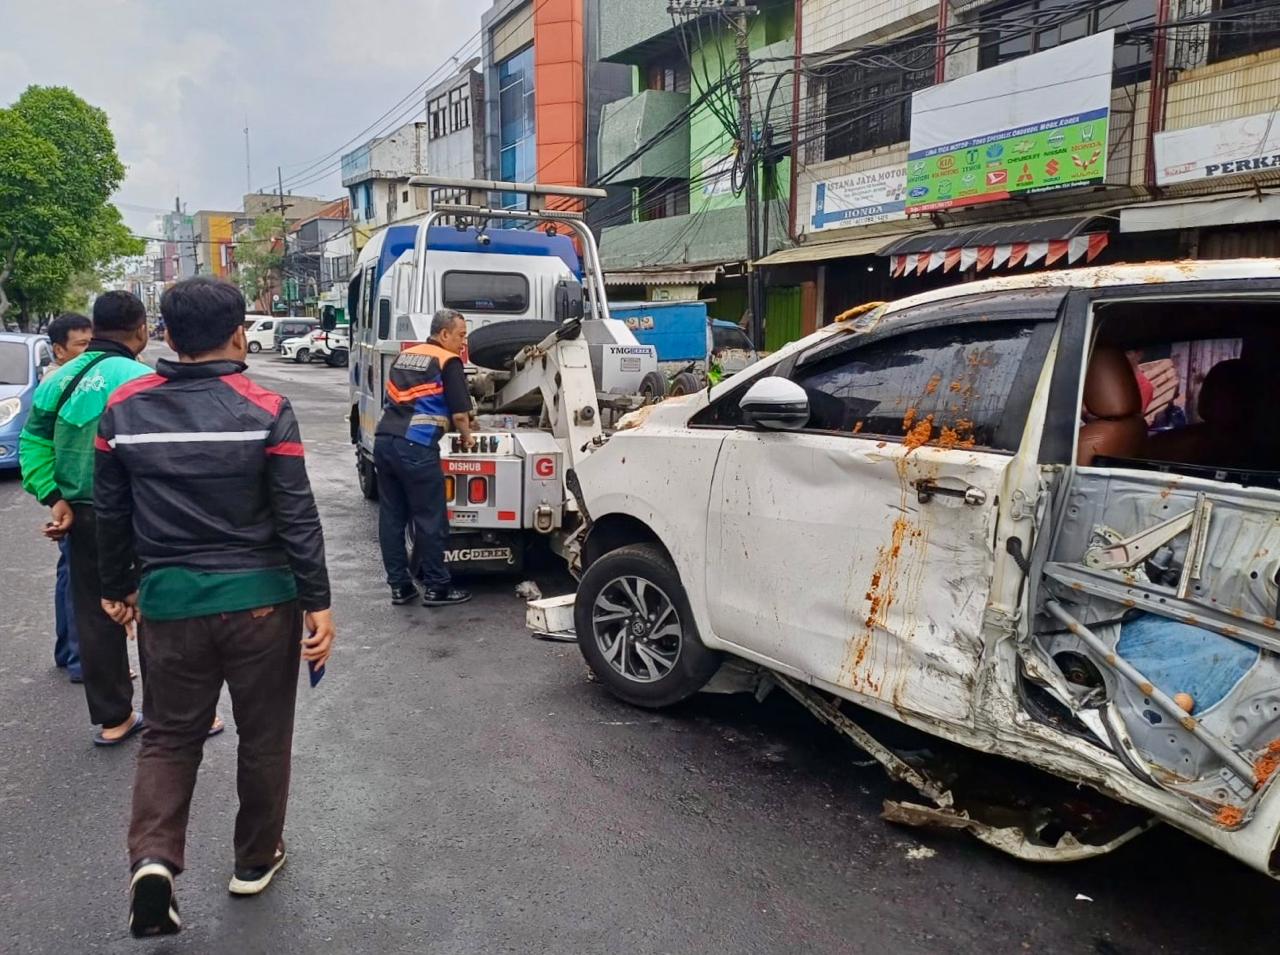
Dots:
(1113, 402)
(1224, 434)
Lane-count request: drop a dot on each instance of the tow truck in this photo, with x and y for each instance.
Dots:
(549, 370)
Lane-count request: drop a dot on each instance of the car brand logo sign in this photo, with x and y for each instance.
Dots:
(995, 151)
(999, 177)
(919, 191)
(946, 163)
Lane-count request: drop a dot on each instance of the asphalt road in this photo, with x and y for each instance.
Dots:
(459, 787)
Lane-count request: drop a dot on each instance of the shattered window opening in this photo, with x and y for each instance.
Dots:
(949, 387)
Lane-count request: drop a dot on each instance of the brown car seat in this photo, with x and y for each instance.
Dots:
(1114, 404)
(1223, 436)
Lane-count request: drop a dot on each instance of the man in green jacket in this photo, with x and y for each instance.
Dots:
(56, 452)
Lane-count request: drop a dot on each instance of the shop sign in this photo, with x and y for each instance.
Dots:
(1036, 124)
(877, 195)
(1235, 147)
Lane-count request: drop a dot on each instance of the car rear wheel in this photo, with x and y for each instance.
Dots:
(685, 383)
(302, 356)
(254, 348)
(636, 631)
(337, 358)
(653, 387)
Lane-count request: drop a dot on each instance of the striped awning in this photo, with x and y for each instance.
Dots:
(1005, 255)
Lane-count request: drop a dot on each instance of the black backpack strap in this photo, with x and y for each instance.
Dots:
(74, 383)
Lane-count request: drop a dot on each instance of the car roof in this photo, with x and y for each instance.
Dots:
(1101, 276)
(29, 337)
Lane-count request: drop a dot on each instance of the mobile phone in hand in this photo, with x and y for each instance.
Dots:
(315, 672)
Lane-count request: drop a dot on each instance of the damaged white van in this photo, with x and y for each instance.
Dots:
(1036, 516)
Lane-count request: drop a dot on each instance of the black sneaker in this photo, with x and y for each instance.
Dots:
(252, 881)
(444, 596)
(403, 594)
(153, 909)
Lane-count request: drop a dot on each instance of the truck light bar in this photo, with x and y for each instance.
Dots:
(488, 212)
(494, 185)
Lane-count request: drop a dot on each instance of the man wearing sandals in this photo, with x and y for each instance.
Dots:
(56, 454)
(210, 539)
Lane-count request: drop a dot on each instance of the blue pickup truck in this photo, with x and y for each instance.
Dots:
(693, 348)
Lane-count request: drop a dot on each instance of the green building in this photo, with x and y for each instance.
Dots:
(673, 144)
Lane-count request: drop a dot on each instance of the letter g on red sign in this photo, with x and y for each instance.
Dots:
(545, 467)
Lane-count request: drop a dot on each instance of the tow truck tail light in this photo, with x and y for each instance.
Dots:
(477, 490)
(450, 487)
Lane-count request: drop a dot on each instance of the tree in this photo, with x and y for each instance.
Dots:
(259, 254)
(110, 244)
(58, 167)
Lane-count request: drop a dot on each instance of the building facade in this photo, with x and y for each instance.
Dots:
(319, 255)
(376, 176)
(1167, 148)
(456, 126)
(215, 233)
(674, 144)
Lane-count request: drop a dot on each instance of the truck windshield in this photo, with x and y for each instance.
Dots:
(15, 366)
(485, 291)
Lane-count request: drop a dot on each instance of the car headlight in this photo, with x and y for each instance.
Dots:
(10, 408)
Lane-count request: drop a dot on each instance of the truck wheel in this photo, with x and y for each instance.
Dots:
(685, 383)
(302, 356)
(368, 477)
(493, 346)
(653, 387)
(254, 348)
(636, 631)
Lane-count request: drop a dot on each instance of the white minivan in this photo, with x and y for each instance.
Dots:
(260, 330)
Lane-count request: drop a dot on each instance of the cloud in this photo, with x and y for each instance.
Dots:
(178, 81)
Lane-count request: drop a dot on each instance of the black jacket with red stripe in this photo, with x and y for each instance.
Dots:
(199, 467)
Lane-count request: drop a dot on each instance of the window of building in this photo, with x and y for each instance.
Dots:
(1032, 26)
(663, 199)
(438, 117)
(868, 102)
(670, 76)
(485, 292)
(516, 149)
(449, 112)
(404, 196)
(1243, 30)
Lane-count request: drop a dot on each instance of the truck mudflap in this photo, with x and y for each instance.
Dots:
(484, 553)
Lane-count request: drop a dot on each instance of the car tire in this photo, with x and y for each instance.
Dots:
(685, 383)
(254, 348)
(493, 346)
(302, 356)
(367, 476)
(653, 387)
(653, 668)
(337, 359)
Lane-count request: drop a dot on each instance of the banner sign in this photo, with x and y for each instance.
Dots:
(877, 195)
(1248, 144)
(1035, 124)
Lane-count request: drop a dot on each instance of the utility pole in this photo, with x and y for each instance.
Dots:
(248, 173)
(755, 297)
(738, 14)
(284, 239)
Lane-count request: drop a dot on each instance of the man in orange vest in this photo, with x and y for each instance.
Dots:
(426, 397)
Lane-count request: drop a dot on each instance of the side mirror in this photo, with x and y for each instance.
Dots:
(775, 404)
(569, 304)
(328, 318)
(384, 318)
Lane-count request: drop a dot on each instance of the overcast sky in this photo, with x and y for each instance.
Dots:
(177, 78)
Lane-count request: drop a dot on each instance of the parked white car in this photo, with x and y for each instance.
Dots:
(260, 330)
(333, 347)
(1037, 516)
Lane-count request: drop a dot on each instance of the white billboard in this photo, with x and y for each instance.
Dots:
(1034, 124)
(877, 195)
(1247, 144)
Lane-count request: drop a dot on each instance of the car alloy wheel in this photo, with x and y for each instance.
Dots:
(637, 629)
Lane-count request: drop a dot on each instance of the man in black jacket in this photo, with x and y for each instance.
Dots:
(209, 537)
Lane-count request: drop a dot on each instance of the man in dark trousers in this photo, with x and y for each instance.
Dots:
(426, 396)
(209, 536)
(57, 457)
